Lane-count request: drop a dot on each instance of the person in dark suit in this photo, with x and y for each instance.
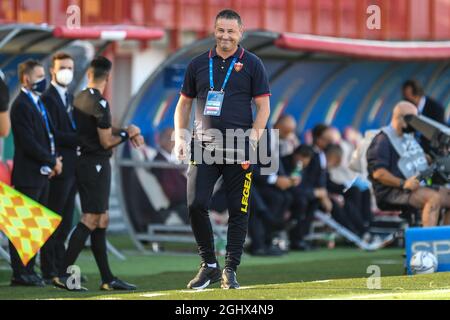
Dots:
(58, 102)
(35, 158)
(303, 196)
(312, 193)
(414, 93)
(5, 124)
(271, 201)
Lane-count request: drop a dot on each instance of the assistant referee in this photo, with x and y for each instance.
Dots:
(223, 81)
(96, 138)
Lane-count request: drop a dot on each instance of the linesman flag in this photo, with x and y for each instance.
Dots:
(25, 222)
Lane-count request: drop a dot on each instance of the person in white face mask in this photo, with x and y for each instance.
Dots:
(58, 101)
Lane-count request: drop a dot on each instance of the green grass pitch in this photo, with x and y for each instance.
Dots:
(323, 274)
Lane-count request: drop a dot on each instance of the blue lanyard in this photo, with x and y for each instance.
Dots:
(211, 80)
(41, 108)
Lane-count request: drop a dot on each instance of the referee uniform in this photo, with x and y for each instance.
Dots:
(96, 139)
(93, 170)
(93, 176)
(242, 77)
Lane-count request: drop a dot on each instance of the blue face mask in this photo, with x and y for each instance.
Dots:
(39, 86)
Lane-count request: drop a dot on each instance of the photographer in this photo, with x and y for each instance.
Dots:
(395, 159)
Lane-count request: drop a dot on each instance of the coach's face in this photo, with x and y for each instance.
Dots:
(228, 33)
(35, 75)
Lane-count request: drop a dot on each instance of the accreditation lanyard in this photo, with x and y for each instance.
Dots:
(211, 79)
(214, 100)
(41, 109)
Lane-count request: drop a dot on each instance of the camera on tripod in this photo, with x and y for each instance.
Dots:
(439, 136)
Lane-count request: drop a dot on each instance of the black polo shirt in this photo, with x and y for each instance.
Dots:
(91, 111)
(248, 80)
(382, 154)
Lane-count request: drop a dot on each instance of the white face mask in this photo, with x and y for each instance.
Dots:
(64, 77)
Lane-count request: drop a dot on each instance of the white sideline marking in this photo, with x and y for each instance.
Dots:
(195, 290)
(387, 261)
(392, 294)
(152, 295)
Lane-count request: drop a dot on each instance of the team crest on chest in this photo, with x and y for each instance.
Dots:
(245, 165)
(238, 66)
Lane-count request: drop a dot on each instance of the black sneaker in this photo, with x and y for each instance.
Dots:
(229, 279)
(61, 283)
(205, 276)
(117, 284)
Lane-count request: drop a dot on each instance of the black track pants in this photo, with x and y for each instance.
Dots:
(200, 185)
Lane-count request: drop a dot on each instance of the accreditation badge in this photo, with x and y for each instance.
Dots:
(214, 102)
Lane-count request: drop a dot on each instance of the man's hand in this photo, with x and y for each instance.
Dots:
(338, 199)
(295, 181)
(137, 141)
(133, 131)
(57, 169)
(321, 193)
(412, 184)
(283, 182)
(327, 204)
(181, 148)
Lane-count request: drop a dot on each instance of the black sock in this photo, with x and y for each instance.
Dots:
(98, 246)
(76, 244)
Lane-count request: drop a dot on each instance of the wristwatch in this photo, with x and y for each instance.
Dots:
(402, 184)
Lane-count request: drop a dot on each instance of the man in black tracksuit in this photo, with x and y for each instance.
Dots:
(223, 80)
(62, 193)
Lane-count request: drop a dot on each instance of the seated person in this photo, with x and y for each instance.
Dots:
(172, 180)
(307, 197)
(352, 197)
(288, 139)
(394, 161)
(272, 190)
(261, 228)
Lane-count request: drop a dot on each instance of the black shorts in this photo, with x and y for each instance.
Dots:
(94, 183)
(393, 199)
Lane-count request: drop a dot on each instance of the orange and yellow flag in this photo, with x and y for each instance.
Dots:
(25, 222)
